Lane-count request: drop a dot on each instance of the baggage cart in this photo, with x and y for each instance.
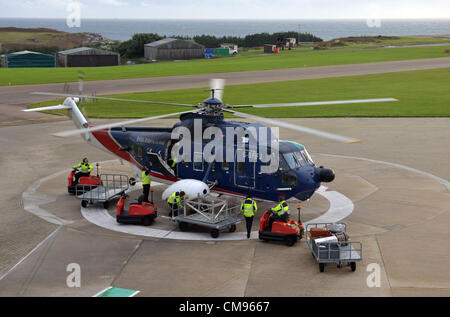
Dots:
(339, 253)
(209, 212)
(111, 186)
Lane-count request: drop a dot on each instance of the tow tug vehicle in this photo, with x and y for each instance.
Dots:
(289, 232)
(84, 183)
(140, 213)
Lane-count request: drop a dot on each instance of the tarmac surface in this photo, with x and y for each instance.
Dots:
(401, 215)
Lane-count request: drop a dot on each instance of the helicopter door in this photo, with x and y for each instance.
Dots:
(244, 172)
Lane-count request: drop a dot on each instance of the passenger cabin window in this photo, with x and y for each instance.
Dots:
(140, 151)
(133, 149)
(225, 166)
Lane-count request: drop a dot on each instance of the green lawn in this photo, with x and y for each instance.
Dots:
(421, 93)
(202, 66)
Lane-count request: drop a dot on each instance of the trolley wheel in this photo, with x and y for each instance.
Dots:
(147, 221)
(232, 228)
(353, 266)
(106, 204)
(84, 203)
(183, 226)
(321, 267)
(215, 233)
(290, 241)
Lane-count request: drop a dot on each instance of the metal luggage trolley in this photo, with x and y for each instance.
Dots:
(340, 253)
(210, 212)
(111, 186)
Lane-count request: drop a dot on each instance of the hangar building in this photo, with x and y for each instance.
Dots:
(170, 48)
(28, 59)
(87, 57)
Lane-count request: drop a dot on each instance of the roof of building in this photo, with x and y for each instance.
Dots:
(169, 40)
(75, 51)
(27, 52)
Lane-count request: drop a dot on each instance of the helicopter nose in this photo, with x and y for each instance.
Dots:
(325, 175)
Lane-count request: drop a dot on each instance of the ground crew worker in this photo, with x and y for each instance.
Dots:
(280, 212)
(249, 207)
(84, 169)
(146, 181)
(174, 202)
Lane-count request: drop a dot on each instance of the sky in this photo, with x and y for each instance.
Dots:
(229, 9)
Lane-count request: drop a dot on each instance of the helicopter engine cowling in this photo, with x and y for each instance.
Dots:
(192, 187)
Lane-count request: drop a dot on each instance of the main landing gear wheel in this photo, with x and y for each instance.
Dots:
(215, 233)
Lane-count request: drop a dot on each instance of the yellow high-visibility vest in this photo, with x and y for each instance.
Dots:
(281, 208)
(84, 168)
(249, 207)
(146, 179)
(174, 199)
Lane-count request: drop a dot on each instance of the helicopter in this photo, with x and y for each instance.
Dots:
(296, 174)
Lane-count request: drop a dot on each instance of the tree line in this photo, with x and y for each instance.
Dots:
(134, 48)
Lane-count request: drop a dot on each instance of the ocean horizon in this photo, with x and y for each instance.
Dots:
(327, 29)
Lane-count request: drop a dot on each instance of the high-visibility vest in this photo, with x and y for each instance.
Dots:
(85, 168)
(146, 179)
(175, 199)
(281, 209)
(249, 207)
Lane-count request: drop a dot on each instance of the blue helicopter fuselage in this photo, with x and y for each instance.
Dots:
(295, 176)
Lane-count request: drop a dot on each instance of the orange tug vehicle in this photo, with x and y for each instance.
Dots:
(140, 213)
(289, 232)
(84, 184)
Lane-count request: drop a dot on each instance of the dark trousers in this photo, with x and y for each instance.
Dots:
(173, 209)
(146, 189)
(79, 175)
(248, 223)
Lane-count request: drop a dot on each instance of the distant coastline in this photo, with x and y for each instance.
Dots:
(123, 29)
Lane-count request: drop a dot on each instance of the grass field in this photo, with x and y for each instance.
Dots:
(202, 66)
(420, 93)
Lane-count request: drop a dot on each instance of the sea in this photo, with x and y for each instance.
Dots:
(123, 29)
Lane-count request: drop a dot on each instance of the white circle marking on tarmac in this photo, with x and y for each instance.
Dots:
(340, 208)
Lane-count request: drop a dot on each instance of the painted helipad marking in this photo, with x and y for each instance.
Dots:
(340, 208)
(116, 292)
(32, 201)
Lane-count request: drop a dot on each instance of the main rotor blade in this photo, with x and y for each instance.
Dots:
(112, 99)
(316, 103)
(319, 133)
(116, 124)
